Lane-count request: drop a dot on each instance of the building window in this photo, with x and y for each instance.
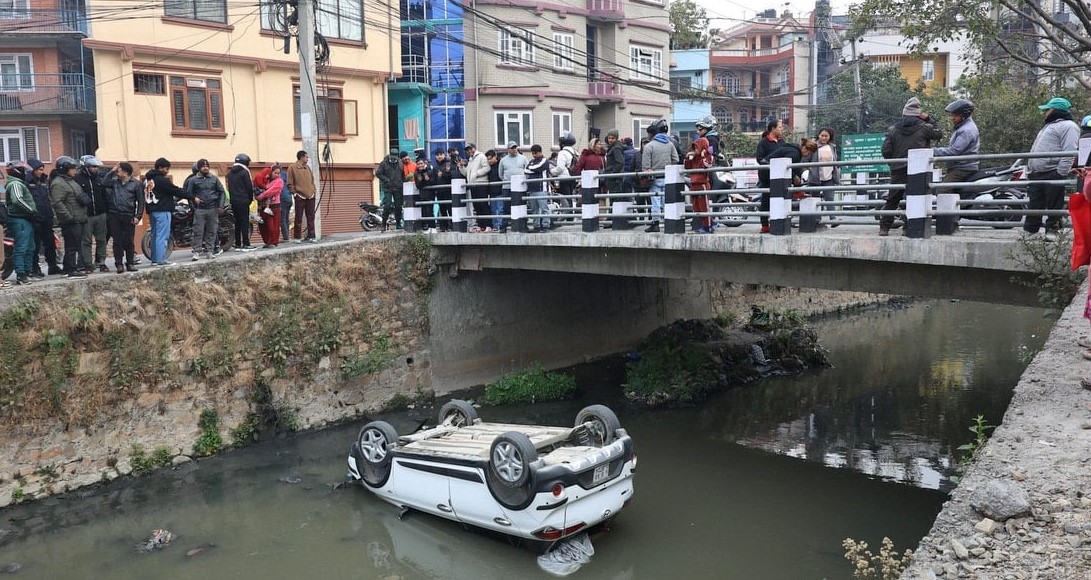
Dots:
(928, 70)
(640, 127)
(723, 116)
(16, 72)
(79, 143)
(336, 116)
(681, 84)
(562, 122)
(17, 143)
(646, 63)
(784, 77)
(342, 19)
(149, 84)
(744, 120)
(513, 126)
(729, 81)
(563, 49)
(515, 47)
(14, 9)
(206, 10)
(197, 104)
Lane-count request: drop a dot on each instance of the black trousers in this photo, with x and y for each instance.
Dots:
(44, 245)
(1044, 196)
(122, 230)
(392, 202)
(73, 237)
(242, 223)
(893, 198)
(444, 198)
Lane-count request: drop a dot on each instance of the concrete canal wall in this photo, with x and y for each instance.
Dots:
(314, 333)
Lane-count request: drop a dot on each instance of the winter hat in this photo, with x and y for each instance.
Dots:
(613, 133)
(912, 108)
(34, 163)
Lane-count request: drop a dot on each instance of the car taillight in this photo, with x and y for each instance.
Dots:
(550, 533)
(557, 490)
(1017, 175)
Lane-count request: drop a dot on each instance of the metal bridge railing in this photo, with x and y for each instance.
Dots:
(613, 200)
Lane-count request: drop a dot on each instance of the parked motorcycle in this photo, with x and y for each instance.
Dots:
(724, 183)
(181, 230)
(1005, 215)
(371, 217)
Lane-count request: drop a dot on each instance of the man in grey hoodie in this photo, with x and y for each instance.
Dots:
(514, 163)
(656, 156)
(1058, 133)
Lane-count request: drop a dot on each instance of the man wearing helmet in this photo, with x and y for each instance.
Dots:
(965, 140)
(656, 156)
(566, 159)
(240, 185)
(65, 195)
(21, 216)
(94, 231)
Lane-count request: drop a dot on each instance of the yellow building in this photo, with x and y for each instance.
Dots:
(191, 79)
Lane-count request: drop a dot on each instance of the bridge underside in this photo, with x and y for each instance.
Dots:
(807, 271)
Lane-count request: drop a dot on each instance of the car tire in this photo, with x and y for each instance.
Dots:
(460, 413)
(509, 473)
(604, 424)
(376, 441)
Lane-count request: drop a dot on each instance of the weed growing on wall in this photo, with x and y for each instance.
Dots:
(980, 430)
(530, 385)
(15, 353)
(417, 265)
(266, 414)
(1050, 261)
(209, 441)
(60, 363)
(379, 357)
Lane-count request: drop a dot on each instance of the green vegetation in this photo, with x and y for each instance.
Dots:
(19, 495)
(48, 473)
(530, 385)
(266, 413)
(59, 362)
(84, 317)
(417, 266)
(980, 429)
(141, 463)
(379, 357)
(671, 372)
(886, 565)
(209, 441)
(1050, 261)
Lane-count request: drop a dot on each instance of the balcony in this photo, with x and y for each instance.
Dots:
(605, 10)
(604, 87)
(63, 21)
(414, 69)
(29, 95)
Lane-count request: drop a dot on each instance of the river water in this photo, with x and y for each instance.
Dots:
(762, 482)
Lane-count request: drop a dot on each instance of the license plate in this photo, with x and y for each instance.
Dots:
(601, 473)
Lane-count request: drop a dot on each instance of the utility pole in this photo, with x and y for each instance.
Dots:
(308, 100)
(859, 93)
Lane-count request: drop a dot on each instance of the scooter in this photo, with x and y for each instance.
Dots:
(723, 182)
(1006, 215)
(370, 216)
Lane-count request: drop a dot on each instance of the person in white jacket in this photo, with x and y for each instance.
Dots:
(566, 159)
(476, 170)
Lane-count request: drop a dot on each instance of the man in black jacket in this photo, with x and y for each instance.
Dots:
(444, 172)
(916, 130)
(240, 184)
(160, 195)
(615, 162)
(126, 205)
(770, 141)
(425, 178)
(208, 194)
(94, 231)
(391, 177)
(43, 226)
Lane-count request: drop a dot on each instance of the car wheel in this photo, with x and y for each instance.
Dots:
(376, 441)
(458, 413)
(602, 422)
(510, 457)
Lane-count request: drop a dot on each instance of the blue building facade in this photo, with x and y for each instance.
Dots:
(689, 72)
(427, 103)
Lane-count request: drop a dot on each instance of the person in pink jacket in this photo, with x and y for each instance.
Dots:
(269, 205)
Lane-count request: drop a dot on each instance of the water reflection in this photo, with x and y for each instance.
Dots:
(896, 411)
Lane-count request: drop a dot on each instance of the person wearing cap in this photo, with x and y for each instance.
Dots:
(916, 130)
(444, 171)
(477, 180)
(95, 231)
(207, 194)
(390, 176)
(44, 245)
(514, 163)
(425, 178)
(1059, 132)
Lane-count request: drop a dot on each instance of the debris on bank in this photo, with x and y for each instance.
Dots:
(689, 360)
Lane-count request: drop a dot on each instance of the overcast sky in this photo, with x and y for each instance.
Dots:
(725, 13)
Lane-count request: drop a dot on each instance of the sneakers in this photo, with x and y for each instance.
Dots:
(430, 231)
(23, 280)
(130, 268)
(246, 248)
(37, 274)
(120, 269)
(76, 275)
(652, 228)
(102, 267)
(299, 241)
(195, 257)
(311, 241)
(883, 232)
(218, 251)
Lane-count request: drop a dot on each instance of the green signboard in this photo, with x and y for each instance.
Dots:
(866, 146)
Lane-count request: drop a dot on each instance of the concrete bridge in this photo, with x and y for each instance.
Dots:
(973, 265)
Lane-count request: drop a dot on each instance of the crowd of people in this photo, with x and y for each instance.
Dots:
(92, 206)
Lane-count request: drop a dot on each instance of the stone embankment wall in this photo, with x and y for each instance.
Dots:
(305, 334)
(89, 369)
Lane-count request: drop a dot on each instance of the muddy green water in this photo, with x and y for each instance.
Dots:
(762, 482)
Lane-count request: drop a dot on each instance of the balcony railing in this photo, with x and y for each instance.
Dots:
(414, 69)
(746, 52)
(63, 21)
(608, 10)
(46, 93)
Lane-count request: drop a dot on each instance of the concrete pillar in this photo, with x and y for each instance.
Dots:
(458, 205)
(621, 206)
(519, 203)
(917, 197)
(589, 187)
(410, 212)
(674, 200)
(808, 223)
(780, 200)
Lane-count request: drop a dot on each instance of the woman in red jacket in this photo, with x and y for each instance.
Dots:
(593, 157)
(699, 158)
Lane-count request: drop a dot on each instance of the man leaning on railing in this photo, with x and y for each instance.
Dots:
(1058, 133)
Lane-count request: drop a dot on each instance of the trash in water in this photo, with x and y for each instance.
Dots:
(290, 479)
(758, 354)
(568, 556)
(160, 539)
(12, 568)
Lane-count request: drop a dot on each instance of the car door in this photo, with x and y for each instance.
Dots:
(423, 485)
(473, 503)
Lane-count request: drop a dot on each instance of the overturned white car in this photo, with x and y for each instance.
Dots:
(533, 482)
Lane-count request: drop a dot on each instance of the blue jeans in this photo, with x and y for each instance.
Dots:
(658, 187)
(22, 231)
(499, 208)
(538, 203)
(160, 234)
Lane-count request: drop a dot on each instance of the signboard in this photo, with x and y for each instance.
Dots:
(865, 146)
